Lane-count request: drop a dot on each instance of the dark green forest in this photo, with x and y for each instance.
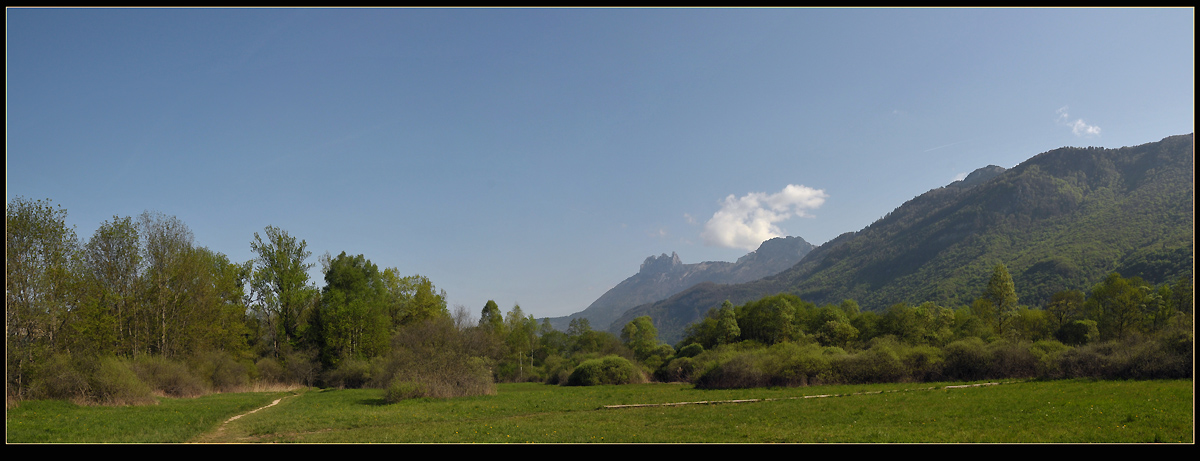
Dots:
(1076, 263)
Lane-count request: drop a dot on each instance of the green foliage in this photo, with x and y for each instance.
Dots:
(37, 278)
(771, 319)
(1116, 305)
(352, 319)
(413, 298)
(1002, 295)
(640, 336)
(280, 286)
(611, 369)
(64, 377)
(168, 377)
(1078, 332)
(114, 383)
(967, 360)
(491, 318)
(404, 390)
(690, 350)
(443, 360)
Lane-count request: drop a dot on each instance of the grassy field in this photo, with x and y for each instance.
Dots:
(1055, 411)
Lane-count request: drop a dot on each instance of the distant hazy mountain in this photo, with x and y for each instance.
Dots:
(662, 276)
(1061, 220)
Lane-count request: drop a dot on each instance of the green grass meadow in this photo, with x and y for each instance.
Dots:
(1075, 411)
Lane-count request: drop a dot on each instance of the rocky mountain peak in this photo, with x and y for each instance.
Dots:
(661, 263)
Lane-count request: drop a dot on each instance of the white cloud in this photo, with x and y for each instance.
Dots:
(745, 222)
(1078, 126)
(960, 177)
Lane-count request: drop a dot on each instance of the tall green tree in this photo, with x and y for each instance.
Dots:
(491, 319)
(38, 282)
(727, 331)
(166, 249)
(112, 259)
(1002, 294)
(1065, 307)
(640, 336)
(413, 298)
(352, 318)
(1117, 304)
(282, 294)
(521, 337)
(770, 320)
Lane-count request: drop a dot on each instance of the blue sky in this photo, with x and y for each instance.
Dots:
(537, 156)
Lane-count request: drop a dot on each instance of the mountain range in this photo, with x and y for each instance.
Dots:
(661, 276)
(1061, 220)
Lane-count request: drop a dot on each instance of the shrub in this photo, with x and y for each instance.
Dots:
(270, 371)
(443, 360)
(168, 377)
(1078, 332)
(966, 360)
(879, 364)
(923, 363)
(608, 370)
(61, 377)
(738, 372)
(1012, 359)
(301, 366)
(679, 369)
(114, 383)
(350, 373)
(1088, 361)
(220, 371)
(402, 390)
(1048, 352)
(557, 369)
(690, 350)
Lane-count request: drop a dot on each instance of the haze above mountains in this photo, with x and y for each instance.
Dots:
(1061, 220)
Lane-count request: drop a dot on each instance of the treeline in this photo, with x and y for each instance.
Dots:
(140, 309)
(1122, 328)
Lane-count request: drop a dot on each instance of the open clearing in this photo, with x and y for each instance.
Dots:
(1074, 411)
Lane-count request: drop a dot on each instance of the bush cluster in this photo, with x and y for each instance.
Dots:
(112, 380)
(968, 359)
(611, 369)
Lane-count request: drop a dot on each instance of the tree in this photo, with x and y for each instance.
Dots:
(111, 259)
(491, 319)
(1002, 294)
(769, 320)
(413, 298)
(280, 286)
(1064, 307)
(38, 284)
(520, 336)
(1116, 305)
(166, 242)
(352, 318)
(579, 326)
(727, 331)
(641, 336)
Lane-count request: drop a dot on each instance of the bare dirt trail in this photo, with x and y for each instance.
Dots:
(218, 435)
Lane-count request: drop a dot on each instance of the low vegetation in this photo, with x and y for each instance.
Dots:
(1064, 411)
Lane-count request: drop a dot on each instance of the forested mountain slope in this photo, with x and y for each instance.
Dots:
(662, 276)
(1061, 220)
